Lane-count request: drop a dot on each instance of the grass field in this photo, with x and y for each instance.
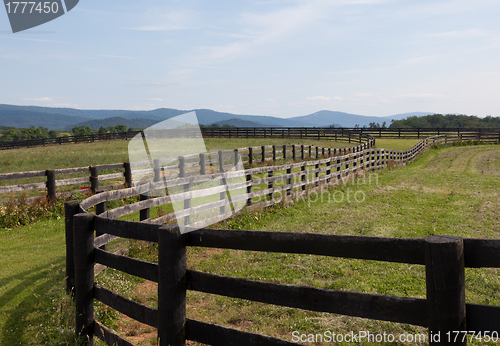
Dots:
(450, 191)
(446, 191)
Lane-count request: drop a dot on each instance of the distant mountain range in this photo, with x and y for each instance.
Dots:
(67, 118)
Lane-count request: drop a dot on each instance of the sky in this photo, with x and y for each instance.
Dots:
(277, 58)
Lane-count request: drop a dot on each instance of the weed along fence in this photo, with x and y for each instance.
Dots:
(444, 311)
(247, 155)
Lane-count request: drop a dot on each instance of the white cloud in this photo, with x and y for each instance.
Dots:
(116, 56)
(158, 99)
(459, 34)
(39, 99)
(324, 98)
(163, 19)
(422, 96)
(318, 98)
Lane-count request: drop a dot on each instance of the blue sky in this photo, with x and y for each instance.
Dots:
(279, 58)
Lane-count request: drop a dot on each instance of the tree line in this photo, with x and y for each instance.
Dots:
(447, 121)
(8, 134)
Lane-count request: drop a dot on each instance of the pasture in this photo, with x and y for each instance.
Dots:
(446, 191)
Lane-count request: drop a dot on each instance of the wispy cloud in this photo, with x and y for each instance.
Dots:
(324, 98)
(163, 19)
(422, 96)
(116, 56)
(39, 99)
(158, 99)
(459, 34)
(31, 39)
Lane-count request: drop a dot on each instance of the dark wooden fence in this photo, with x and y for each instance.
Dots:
(51, 182)
(331, 133)
(250, 155)
(349, 134)
(445, 258)
(29, 143)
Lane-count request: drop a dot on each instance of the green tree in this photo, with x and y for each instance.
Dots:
(121, 128)
(81, 130)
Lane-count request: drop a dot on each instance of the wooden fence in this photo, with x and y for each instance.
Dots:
(349, 134)
(29, 143)
(445, 258)
(250, 155)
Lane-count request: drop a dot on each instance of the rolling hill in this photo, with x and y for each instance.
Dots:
(66, 118)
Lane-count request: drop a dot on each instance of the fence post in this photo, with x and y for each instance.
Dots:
(223, 182)
(249, 188)
(171, 287)
(284, 152)
(328, 171)
(202, 164)
(274, 153)
(128, 174)
(71, 208)
(289, 182)
(303, 176)
(317, 152)
(302, 151)
(263, 149)
(83, 247)
(51, 184)
(317, 173)
(445, 281)
(293, 152)
(250, 155)
(270, 184)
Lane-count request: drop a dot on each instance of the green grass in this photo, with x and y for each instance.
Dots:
(34, 308)
(395, 144)
(446, 191)
(434, 195)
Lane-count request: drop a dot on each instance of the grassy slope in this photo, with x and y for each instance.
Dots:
(105, 152)
(447, 191)
(404, 203)
(32, 304)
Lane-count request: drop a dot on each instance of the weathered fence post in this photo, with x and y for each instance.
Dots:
(263, 150)
(223, 182)
(445, 281)
(317, 174)
(128, 174)
(289, 181)
(250, 155)
(94, 186)
(51, 184)
(302, 151)
(284, 152)
(171, 287)
(83, 247)
(270, 185)
(249, 188)
(202, 164)
(274, 153)
(71, 208)
(294, 155)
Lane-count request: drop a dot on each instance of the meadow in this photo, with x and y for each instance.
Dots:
(450, 190)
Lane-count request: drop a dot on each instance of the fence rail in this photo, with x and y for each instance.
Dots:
(444, 258)
(339, 133)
